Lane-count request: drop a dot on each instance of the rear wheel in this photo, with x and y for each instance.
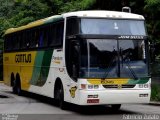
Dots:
(13, 84)
(16, 88)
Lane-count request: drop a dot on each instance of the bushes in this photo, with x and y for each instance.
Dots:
(155, 93)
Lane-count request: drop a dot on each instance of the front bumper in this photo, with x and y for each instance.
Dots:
(105, 97)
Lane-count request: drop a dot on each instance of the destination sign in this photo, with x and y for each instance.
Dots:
(132, 37)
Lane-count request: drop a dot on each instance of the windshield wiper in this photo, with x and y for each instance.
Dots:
(109, 66)
(131, 70)
(127, 62)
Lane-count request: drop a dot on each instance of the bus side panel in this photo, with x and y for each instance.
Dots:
(19, 63)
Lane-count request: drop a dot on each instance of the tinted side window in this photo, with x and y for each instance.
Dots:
(24, 40)
(59, 29)
(44, 36)
(16, 41)
(9, 42)
(56, 34)
(72, 26)
(32, 38)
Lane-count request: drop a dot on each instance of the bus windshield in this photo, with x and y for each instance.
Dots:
(104, 58)
(112, 26)
(107, 57)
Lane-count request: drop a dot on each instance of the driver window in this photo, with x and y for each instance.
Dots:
(74, 59)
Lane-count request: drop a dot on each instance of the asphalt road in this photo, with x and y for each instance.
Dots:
(35, 107)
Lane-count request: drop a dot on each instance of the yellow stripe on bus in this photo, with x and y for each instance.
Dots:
(108, 81)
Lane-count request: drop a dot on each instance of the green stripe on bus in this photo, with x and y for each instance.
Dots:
(45, 67)
(37, 67)
(41, 67)
(139, 81)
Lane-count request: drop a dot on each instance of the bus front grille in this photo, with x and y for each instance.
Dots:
(119, 86)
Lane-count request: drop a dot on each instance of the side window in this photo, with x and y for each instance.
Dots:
(24, 40)
(72, 26)
(29, 38)
(16, 41)
(7, 42)
(33, 38)
(53, 35)
(50, 35)
(44, 41)
(59, 30)
(10, 42)
(56, 34)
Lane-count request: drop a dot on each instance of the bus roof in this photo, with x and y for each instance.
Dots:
(93, 13)
(104, 14)
(35, 23)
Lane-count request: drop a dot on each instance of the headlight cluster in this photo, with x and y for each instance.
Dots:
(144, 85)
(89, 87)
(93, 86)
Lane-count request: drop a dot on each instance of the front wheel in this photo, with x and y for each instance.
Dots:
(59, 96)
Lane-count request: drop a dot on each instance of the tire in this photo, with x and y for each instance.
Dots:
(116, 107)
(16, 88)
(62, 103)
(13, 84)
(59, 96)
(19, 91)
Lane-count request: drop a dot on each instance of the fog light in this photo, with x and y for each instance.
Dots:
(90, 86)
(96, 86)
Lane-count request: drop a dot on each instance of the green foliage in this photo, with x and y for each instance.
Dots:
(155, 93)
(75, 5)
(62, 6)
(152, 9)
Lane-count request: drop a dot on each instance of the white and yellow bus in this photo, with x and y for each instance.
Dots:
(83, 57)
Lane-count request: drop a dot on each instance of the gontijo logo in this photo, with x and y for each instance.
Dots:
(23, 58)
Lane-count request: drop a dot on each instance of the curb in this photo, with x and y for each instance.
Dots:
(155, 103)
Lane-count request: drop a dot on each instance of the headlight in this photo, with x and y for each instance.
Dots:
(143, 85)
(93, 86)
(146, 86)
